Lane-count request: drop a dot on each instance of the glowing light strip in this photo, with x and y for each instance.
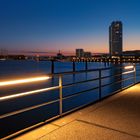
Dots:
(27, 93)
(128, 67)
(128, 72)
(21, 81)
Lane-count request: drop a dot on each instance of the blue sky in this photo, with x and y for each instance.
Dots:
(50, 25)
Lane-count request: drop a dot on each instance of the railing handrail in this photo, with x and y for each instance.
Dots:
(76, 72)
(60, 86)
(83, 71)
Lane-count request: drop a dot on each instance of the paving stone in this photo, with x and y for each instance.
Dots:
(83, 131)
(122, 114)
(37, 133)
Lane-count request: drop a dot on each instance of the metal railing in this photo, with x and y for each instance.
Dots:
(119, 72)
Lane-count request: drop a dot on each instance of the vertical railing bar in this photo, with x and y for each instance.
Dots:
(73, 64)
(122, 78)
(86, 65)
(52, 66)
(134, 73)
(100, 85)
(60, 95)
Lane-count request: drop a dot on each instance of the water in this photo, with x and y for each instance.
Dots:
(16, 69)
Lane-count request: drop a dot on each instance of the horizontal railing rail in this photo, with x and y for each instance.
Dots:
(80, 71)
(125, 70)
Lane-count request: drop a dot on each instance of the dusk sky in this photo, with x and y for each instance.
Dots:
(52, 25)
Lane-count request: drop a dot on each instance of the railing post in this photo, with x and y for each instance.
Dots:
(73, 66)
(60, 95)
(52, 66)
(134, 73)
(86, 65)
(100, 85)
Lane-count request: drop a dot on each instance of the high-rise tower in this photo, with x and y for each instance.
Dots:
(79, 53)
(115, 38)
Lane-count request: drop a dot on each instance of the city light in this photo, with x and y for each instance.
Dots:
(22, 81)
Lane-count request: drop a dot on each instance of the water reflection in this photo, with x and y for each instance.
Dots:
(117, 79)
(114, 82)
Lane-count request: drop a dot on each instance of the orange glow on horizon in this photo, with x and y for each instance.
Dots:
(92, 44)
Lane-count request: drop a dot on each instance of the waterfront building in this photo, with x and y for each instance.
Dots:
(87, 54)
(115, 38)
(79, 53)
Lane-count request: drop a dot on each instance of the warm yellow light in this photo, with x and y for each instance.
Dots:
(27, 93)
(128, 72)
(21, 81)
(128, 67)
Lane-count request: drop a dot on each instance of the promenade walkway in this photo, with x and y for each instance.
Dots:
(115, 118)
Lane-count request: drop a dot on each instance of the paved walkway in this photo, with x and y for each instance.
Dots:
(115, 118)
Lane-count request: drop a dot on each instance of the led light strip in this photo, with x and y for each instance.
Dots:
(128, 72)
(27, 93)
(128, 67)
(22, 81)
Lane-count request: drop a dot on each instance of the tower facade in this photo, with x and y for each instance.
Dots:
(115, 38)
(79, 53)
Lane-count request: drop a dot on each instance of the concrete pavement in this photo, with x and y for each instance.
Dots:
(115, 118)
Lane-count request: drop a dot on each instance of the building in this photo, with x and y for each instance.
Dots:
(87, 54)
(115, 38)
(79, 53)
(131, 53)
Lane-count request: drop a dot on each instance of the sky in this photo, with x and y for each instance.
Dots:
(38, 26)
